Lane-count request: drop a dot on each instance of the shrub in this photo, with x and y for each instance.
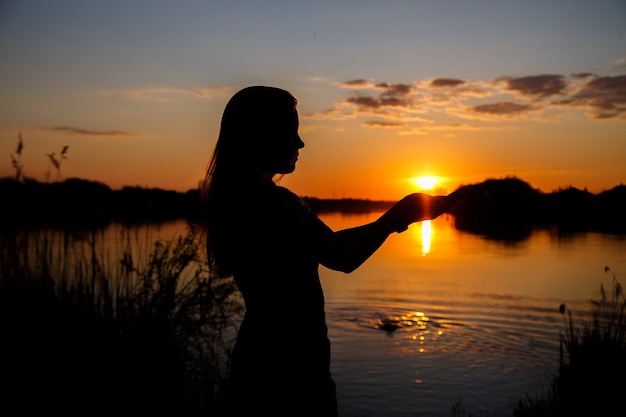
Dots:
(82, 333)
(591, 379)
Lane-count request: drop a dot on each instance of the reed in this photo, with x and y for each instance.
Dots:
(590, 379)
(16, 160)
(87, 331)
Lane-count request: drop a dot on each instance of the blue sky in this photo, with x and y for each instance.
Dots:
(388, 91)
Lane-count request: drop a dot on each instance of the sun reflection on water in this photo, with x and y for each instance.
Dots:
(427, 232)
(422, 236)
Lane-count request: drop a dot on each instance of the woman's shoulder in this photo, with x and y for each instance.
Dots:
(284, 192)
(282, 195)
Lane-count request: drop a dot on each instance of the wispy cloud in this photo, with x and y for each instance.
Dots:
(426, 128)
(377, 123)
(168, 94)
(340, 111)
(357, 83)
(619, 64)
(603, 97)
(71, 130)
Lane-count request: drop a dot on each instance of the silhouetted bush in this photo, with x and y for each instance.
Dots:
(511, 209)
(590, 380)
(83, 334)
(500, 209)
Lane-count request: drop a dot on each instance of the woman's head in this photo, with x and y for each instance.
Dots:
(258, 139)
(258, 133)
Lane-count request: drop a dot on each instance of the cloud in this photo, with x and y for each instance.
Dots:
(446, 100)
(619, 64)
(451, 91)
(159, 94)
(391, 101)
(357, 83)
(582, 75)
(89, 132)
(535, 86)
(374, 103)
(378, 123)
(214, 91)
(317, 79)
(424, 129)
(502, 108)
(446, 82)
(398, 103)
(166, 94)
(390, 90)
(341, 111)
(603, 97)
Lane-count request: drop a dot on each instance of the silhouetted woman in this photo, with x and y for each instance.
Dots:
(272, 244)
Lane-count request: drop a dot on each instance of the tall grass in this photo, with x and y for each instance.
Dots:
(87, 330)
(592, 372)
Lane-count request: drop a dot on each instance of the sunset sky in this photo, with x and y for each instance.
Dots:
(389, 91)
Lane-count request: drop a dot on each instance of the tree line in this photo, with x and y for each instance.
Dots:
(507, 208)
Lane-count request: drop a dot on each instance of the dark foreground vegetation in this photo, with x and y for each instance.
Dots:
(84, 334)
(590, 381)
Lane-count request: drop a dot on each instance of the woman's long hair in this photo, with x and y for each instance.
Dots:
(249, 122)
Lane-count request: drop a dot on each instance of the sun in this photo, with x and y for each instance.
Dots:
(426, 182)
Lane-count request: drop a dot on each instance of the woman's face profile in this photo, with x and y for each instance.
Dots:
(286, 142)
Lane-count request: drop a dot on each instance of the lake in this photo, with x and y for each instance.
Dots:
(476, 321)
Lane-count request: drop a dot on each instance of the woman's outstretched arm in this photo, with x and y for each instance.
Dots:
(351, 247)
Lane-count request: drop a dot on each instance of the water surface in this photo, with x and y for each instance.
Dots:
(469, 320)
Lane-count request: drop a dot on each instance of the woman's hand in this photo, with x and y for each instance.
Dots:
(417, 207)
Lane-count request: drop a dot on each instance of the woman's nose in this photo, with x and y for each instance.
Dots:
(299, 142)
